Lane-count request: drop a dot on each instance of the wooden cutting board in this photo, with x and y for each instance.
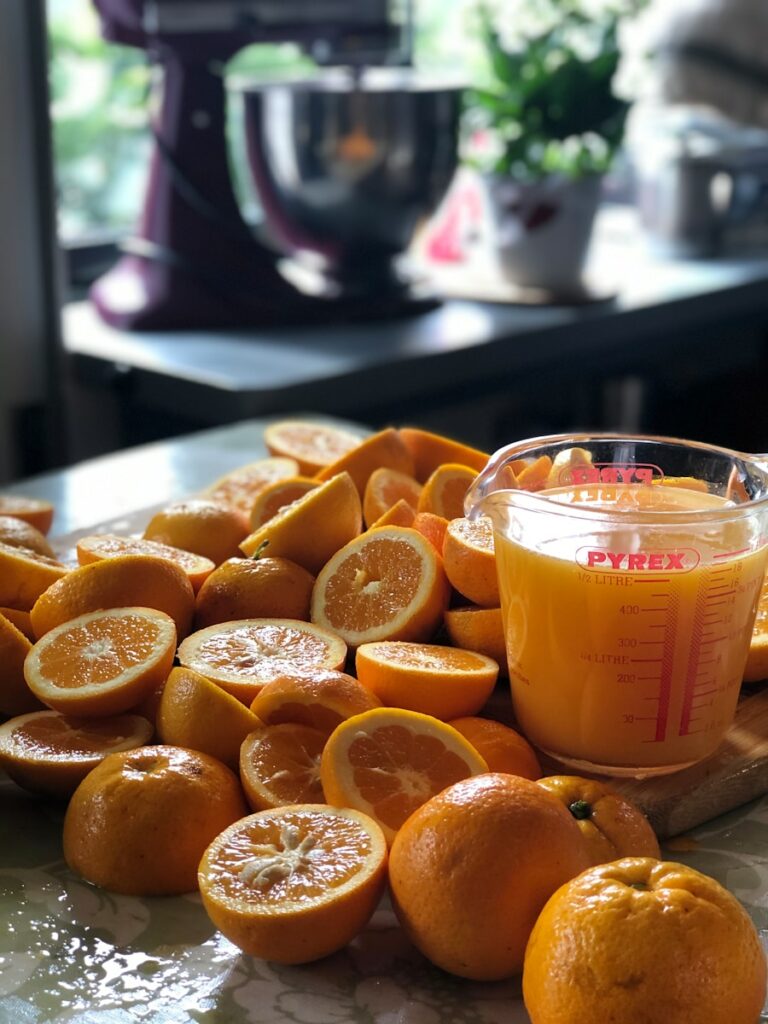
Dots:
(735, 774)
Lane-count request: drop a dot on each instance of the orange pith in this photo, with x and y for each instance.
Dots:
(384, 489)
(254, 588)
(387, 762)
(430, 450)
(25, 575)
(240, 487)
(644, 940)
(470, 560)
(296, 883)
(244, 655)
(277, 496)
(280, 764)
(203, 527)
(321, 700)
(195, 713)
(312, 445)
(34, 511)
(445, 490)
(314, 527)
(129, 580)
(108, 545)
(382, 449)
(387, 584)
(102, 663)
(46, 752)
(446, 682)
(21, 534)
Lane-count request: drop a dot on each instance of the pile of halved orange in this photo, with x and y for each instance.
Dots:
(315, 638)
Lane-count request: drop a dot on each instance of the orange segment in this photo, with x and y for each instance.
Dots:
(240, 487)
(478, 629)
(107, 545)
(32, 510)
(15, 696)
(432, 450)
(21, 534)
(382, 449)
(102, 663)
(313, 445)
(388, 762)
(441, 681)
(276, 496)
(322, 700)
(194, 712)
(401, 514)
(470, 560)
(445, 491)
(384, 489)
(202, 527)
(25, 575)
(503, 749)
(313, 528)
(254, 588)
(141, 820)
(388, 584)
(280, 764)
(46, 752)
(294, 884)
(127, 581)
(243, 656)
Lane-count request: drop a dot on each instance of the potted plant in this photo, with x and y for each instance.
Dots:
(545, 127)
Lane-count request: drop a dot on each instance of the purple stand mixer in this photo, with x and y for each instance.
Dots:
(327, 160)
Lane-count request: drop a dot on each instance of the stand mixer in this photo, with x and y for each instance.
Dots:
(344, 163)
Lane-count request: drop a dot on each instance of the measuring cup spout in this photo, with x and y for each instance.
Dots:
(492, 493)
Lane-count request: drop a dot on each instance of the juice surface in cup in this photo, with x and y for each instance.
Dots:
(626, 645)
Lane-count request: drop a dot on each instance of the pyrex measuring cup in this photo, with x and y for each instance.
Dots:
(630, 570)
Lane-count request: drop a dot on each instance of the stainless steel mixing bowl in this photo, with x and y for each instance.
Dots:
(347, 166)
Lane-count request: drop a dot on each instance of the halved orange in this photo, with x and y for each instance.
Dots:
(245, 655)
(478, 629)
(20, 619)
(445, 682)
(388, 762)
(46, 752)
(321, 700)
(35, 511)
(384, 489)
(206, 528)
(470, 560)
(296, 883)
(401, 514)
(102, 663)
(313, 445)
(99, 546)
(503, 749)
(445, 490)
(314, 527)
(21, 534)
(382, 449)
(388, 584)
(240, 487)
(280, 764)
(25, 575)
(127, 581)
(433, 527)
(276, 496)
(194, 712)
(15, 696)
(430, 450)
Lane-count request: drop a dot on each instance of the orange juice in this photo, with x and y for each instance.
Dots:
(626, 644)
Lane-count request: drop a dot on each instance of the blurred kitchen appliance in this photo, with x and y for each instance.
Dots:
(344, 163)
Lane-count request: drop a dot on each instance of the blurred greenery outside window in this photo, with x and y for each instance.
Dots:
(100, 100)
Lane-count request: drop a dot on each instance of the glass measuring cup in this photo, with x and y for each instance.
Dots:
(630, 570)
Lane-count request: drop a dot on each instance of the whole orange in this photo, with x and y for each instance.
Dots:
(643, 941)
(611, 825)
(141, 820)
(471, 869)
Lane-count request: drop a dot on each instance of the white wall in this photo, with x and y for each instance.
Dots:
(27, 319)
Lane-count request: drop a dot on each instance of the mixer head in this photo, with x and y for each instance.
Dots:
(345, 32)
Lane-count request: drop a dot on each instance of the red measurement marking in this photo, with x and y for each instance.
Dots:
(667, 664)
(692, 669)
(650, 641)
(732, 554)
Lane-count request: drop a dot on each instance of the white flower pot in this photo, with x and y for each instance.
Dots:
(542, 230)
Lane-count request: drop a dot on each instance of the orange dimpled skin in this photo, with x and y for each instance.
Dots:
(611, 825)
(430, 450)
(643, 941)
(254, 588)
(472, 868)
(204, 527)
(383, 449)
(503, 749)
(101, 546)
(25, 575)
(16, 698)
